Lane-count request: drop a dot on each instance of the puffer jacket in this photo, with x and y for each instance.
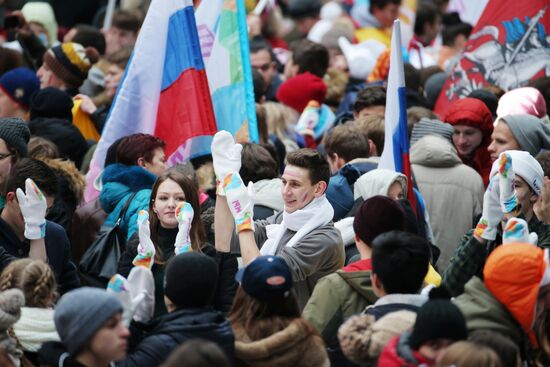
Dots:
(296, 345)
(119, 183)
(453, 192)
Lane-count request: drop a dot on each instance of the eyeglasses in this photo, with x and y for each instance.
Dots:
(5, 155)
(264, 67)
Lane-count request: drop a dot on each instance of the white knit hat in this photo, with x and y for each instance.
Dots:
(525, 166)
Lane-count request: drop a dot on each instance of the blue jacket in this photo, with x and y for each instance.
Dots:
(119, 183)
(340, 187)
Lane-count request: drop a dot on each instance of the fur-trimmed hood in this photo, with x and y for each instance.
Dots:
(71, 174)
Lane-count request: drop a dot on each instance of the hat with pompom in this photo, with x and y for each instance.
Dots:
(70, 62)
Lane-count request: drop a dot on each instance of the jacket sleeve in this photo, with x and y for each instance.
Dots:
(125, 262)
(69, 279)
(227, 286)
(260, 234)
(467, 261)
(151, 351)
(5, 258)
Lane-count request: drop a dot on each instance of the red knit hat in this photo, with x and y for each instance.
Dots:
(471, 112)
(297, 91)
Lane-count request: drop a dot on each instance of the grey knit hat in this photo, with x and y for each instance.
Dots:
(15, 133)
(530, 132)
(82, 312)
(427, 126)
(11, 302)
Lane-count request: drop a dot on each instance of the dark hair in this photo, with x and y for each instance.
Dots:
(197, 353)
(191, 192)
(126, 20)
(135, 146)
(370, 96)
(381, 4)
(543, 85)
(310, 57)
(313, 161)
(449, 33)
(9, 60)
(257, 164)
(41, 148)
(258, 44)
(42, 175)
(426, 13)
(259, 85)
(348, 141)
(544, 159)
(90, 36)
(120, 57)
(426, 73)
(400, 260)
(263, 131)
(503, 346)
(412, 77)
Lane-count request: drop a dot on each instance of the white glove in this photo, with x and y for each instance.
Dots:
(240, 200)
(308, 119)
(492, 214)
(137, 294)
(33, 208)
(507, 180)
(146, 249)
(184, 215)
(226, 156)
(517, 230)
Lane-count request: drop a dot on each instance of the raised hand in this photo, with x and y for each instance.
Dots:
(492, 213)
(146, 248)
(507, 180)
(226, 156)
(33, 208)
(517, 230)
(184, 215)
(240, 200)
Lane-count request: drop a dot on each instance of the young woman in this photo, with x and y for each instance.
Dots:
(169, 190)
(36, 280)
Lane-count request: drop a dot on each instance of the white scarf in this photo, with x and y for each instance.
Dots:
(35, 327)
(314, 215)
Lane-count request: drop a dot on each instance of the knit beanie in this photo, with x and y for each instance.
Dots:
(438, 319)
(362, 339)
(378, 214)
(521, 101)
(11, 301)
(51, 102)
(490, 100)
(15, 133)
(80, 313)
(19, 85)
(529, 131)
(297, 91)
(190, 280)
(525, 166)
(428, 126)
(70, 62)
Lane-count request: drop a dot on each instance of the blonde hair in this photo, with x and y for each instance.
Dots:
(278, 118)
(34, 278)
(468, 354)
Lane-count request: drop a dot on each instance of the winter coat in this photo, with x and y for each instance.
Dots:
(296, 345)
(396, 302)
(165, 334)
(338, 296)
(64, 134)
(227, 265)
(119, 183)
(86, 223)
(398, 353)
(340, 187)
(35, 327)
(453, 192)
(58, 250)
(268, 199)
(54, 354)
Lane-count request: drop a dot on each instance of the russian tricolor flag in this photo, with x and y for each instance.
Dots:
(395, 156)
(164, 90)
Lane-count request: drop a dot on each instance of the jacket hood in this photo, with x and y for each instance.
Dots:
(268, 193)
(120, 180)
(377, 182)
(359, 281)
(68, 170)
(434, 151)
(408, 299)
(190, 321)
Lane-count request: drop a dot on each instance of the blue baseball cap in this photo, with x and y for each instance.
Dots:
(266, 278)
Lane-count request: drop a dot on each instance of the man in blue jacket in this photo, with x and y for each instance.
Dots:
(24, 231)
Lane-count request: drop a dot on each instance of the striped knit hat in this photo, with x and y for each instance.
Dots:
(70, 62)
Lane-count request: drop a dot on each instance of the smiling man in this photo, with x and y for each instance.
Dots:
(302, 234)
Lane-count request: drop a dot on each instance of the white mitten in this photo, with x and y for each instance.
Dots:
(146, 249)
(184, 215)
(517, 230)
(226, 156)
(33, 208)
(492, 214)
(507, 180)
(118, 285)
(308, 119)
(240, 200)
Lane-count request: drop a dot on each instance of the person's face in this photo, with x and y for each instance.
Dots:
(467, 139)
(116, 38)
(8, 108)
(386, 15)
(371, 110)
(5, 162)
(297, 190)
(169, 195)
(395, 191)
(431, 30)
(434, 350)
(501, 140)
(157, 165)
(48, 78)
(526, 197)
(110, 342)
(40, 32)
(262, 62)
(112, 80)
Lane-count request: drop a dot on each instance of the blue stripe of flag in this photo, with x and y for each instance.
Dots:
(401, 134)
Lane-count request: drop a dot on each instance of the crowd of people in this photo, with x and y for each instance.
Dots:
(294, 251)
